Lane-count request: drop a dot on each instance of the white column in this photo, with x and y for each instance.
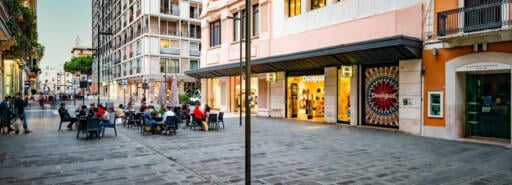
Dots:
(354, 93)
(331, 92)
(277, 96)
(410, 96)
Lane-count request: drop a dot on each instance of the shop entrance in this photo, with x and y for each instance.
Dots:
(488, 105)
(306, 97)
(381, 96)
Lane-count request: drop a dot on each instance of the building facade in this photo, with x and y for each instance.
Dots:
(17, 73)
(353, 62)
(467, 59)
(153, 40)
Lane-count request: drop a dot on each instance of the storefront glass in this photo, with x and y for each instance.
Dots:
(343, 97)
(306, 97)
(488, 105)
(254, 94)
(8, 77)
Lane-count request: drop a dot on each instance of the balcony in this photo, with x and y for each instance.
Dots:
(172, 51)
(194, 52)
(475, 19)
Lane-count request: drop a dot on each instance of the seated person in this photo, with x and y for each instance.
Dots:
(142, 107)
(168, 112)
(83, 111)
(105, 120)
(100, 111)
(119, 111)
(198, 115)
(129, 107)
(148, 118)
(63, 112)
(185, 113)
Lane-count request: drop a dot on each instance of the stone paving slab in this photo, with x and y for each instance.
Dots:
(283, 152)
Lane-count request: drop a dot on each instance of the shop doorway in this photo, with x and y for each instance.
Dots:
(306, 97)
(381, 96)
(488, 105)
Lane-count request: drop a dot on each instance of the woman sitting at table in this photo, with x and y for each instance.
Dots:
(105, 120)
(198, 116)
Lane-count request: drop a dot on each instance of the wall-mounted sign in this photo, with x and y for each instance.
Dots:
(316, 78)
(124, 82)
(83, 77)
(346, 71)
(271, 77)
(484, 66)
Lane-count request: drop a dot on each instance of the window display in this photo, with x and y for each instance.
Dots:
(343, 97)
(306, 97)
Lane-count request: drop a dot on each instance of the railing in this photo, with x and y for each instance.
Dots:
(174, 51)
(195, 35)
(474, 18)
(195, 52)
(172, 33)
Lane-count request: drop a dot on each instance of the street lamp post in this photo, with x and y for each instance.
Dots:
(241, 68)
(247, 92)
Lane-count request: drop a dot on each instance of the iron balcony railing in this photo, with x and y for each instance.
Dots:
(173, 51)
(475, 18)
(195, 52)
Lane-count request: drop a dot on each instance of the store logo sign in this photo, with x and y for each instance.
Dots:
(313, 78)
(483, 67)
(271, 77)
(346, 71)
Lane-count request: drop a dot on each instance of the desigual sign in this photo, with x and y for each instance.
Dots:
(313, 78)
(483, 67)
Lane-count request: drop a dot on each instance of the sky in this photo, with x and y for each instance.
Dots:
(59, 22)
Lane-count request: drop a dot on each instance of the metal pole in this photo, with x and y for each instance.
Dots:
(165, 82)
(247, 92)
(124, 96)
(241, 68)
(98, 64)
(83, 96)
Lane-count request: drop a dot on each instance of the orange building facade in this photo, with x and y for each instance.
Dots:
(467, 61)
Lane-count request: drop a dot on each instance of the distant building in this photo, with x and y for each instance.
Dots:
(150, 39)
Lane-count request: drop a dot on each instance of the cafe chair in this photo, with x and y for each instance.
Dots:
(93, 126)
(63, 118)
(212, 121)
(220, 119)
(110, 126)
(171, 124)
(143, 127)
(81, 125)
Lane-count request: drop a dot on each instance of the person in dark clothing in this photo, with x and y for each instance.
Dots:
(5, 114)
(64, 114)
(19, 105)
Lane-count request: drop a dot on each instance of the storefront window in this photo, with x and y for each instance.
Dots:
(343, 97)
(306, 97)
(253, 96)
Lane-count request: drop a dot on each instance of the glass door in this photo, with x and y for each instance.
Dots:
(488, 105)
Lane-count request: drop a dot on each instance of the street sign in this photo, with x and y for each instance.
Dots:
(144, 80)
(73, 81)
(124, 82)
(83, 77)
(145, 86)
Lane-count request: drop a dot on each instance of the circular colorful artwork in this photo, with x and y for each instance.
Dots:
(381, 96)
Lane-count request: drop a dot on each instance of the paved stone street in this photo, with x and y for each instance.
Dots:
(283, 152)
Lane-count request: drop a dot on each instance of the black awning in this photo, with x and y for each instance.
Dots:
(385, 50)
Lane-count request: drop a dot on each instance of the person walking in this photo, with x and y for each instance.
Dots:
(19, 105)
(5, 114)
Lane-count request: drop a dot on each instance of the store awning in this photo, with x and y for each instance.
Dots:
(377, 51)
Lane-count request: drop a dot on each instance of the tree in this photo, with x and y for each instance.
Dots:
(22, 25)
(79, 64)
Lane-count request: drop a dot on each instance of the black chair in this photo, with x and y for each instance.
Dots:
(81, 126)
(143, 126)
(212, 121)
(93, 125)
(63, 118)
(220, 119)
(177, 112)
(195, 123)
(110, 126)
(171, 124)
(132, 120)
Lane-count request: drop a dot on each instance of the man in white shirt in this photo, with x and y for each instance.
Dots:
(168, 112)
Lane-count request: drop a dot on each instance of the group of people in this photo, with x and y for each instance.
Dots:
(12, 110)
(91, 112)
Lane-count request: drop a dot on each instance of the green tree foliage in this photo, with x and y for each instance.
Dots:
(23, 26)
(183, 98)
(79, 64)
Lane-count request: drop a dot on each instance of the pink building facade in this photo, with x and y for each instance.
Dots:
(342, 61)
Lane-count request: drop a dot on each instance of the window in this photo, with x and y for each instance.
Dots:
(195, 31)
(294, 7)
(315, 4)
(236, 26)
(164, 43)
(215, 33)
(194, 64)
(175, 66)
(256, 20)
(163, 64)
(435, 104)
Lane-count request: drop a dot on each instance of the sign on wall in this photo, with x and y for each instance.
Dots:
(346, 71)
(484, 66)
(381, 96)
(271, 77)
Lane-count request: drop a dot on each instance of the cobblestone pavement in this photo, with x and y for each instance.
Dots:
(283, 152)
